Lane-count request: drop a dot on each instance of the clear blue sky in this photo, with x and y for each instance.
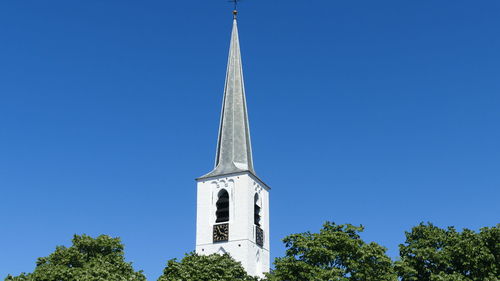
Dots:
(381, 113)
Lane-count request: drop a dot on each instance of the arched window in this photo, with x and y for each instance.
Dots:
(256, 210)
(222, 204)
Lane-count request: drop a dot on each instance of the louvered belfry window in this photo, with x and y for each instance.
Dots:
(256, 210)
(222, 204)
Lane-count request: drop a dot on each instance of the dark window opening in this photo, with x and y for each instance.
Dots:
(222, 204)
(256, 210)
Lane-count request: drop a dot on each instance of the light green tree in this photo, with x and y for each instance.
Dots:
(335, 253)
(205, 268)
(431, 253)
(88, 259)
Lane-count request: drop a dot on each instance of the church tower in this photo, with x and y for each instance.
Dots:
(233, 203)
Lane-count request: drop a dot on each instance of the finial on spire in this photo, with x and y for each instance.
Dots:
(235, 11)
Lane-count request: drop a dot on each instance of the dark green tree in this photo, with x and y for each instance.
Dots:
(335, 253)
(88, 259)
(205, 268)
(431, 253)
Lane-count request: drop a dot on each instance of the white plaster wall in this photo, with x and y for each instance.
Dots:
(241, 245)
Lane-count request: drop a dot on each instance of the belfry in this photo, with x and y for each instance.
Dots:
(232, 202)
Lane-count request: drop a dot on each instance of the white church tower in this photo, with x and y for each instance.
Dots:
(233, 203)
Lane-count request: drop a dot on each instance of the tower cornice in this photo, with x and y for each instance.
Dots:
(252, 175)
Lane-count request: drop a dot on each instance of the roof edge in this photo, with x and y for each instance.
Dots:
(253, 175)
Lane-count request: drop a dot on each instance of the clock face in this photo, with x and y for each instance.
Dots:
(221, 232)
(259, 236)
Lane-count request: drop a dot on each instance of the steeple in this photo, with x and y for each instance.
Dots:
(234, 150)
(232, 209)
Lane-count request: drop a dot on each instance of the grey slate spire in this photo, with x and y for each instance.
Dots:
(234, 150)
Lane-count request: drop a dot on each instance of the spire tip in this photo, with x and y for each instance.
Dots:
(235, 10)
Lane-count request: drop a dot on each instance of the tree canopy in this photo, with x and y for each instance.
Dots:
(88, 259)
(431, 253)
(337, 252)
(205, 268)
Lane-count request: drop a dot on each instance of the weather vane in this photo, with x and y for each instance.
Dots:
(235, 2)
(235, 11)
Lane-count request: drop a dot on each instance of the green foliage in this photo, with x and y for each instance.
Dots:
(205, 268)
(431, 253)
(335, 253)
(88, 259)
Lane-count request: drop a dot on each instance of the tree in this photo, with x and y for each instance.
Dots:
(88, 259)
(431, 253)
(205, 268)
(335, 253)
